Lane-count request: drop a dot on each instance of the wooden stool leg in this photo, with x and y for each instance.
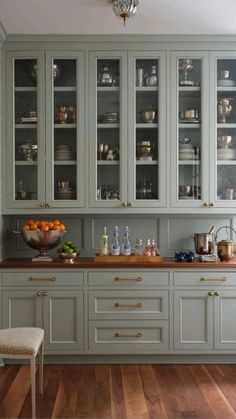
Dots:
(33, 370)
(41, 353)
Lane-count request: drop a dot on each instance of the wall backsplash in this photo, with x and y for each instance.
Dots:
(171, 232)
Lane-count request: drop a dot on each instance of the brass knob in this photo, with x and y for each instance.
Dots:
(39, 294)
(217, 293)
(130, 204)
(47, 205)
(212, 204)
(211, 293)
(206, 204)
(45, 293)
(42, 204)
(124, 204)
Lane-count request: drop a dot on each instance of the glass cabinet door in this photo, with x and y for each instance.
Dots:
(65, 130)
(224, 111)
(189, 146)
(147, 129)
(107, 122)
(25, 148)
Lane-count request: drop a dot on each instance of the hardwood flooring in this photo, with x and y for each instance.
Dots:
(122, 391)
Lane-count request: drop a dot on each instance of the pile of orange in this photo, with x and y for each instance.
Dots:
(41, 225)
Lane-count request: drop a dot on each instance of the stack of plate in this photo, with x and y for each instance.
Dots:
(64, 152)
(186, 152)
(226, 154)
(68, 193)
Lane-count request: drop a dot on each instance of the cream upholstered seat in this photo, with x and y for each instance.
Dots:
(25, 343)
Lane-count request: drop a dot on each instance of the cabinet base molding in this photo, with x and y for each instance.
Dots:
(136, 359)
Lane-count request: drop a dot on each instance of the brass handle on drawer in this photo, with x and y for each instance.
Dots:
(45, 293)
(120, 335)
(211, 293)
(223, 279)
(139, 278)
(138, 305)
(39, 293)
(217, 293)
(50, 279)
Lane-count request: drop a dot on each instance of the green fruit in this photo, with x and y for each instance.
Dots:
(70, 251)
(68, 242)
(65, 247)
(77, 250)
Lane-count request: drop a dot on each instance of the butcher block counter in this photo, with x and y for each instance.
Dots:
(155, 312)
(85, 263)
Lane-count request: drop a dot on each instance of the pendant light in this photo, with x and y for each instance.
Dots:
(125, 8)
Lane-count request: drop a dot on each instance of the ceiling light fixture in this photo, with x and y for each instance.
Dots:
(125, 8)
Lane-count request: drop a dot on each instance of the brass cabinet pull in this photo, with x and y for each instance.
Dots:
(128, 335)
(206, 204)
(223, 279)
(138, 305)
(39, 293)
(42, 204)
(139, 278)
(217, 293)
(124, 204)
(45, 293)
(130, 204)
(47, 205)
(50, 279)
(212, 204)
(211, 293)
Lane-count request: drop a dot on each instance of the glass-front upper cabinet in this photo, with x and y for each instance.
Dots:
(25, 128)
(147, 129)
(223, 105)
(108, 128)
(189, 130)
(65, 130)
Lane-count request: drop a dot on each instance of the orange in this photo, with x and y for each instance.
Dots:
(26, 227)
(50, 225)
(34, 226)
(56, 222)
(57, 227)
(29, 222)
(44, 228)
(62, 227)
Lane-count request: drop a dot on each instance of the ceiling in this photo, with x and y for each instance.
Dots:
(39, 17)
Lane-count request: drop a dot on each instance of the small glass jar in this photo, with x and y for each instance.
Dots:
(138, 251)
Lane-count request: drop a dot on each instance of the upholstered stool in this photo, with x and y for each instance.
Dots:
(24, 343)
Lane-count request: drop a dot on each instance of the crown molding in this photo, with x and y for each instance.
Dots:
(3, 33)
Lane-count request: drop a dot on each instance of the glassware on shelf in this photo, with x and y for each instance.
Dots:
(144, 189)
(185, 67)
(224, 108)
(145, 150)
(126, 246)
(105, 77)
(140, 77)
(108, 192)
(28, 151)
(138, 250)
(104, 248)
(151, 78)
(115, 243)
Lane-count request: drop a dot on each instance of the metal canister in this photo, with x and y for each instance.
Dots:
(225, 250)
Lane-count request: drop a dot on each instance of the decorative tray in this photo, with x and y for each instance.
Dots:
(128, 259)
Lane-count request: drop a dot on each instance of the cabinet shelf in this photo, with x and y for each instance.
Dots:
(65, 89)
(189, 125)
(189, 162)
(147, 125)
(146, 89)
(108, 89)
(226, 162)
(108, 162)
(25, 163)
(146, 162)
(107, 125)
(226, 89)
(65, 162)
(189, 91)
(227, 125)
(26, 126)
(26, 89)
(65, 126)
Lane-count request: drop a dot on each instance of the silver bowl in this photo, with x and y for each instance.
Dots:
(148, 116)
(68, 257)
(224, 141)
(42, 241)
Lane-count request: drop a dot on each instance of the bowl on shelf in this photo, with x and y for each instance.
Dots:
(148, 116)
(42, 241)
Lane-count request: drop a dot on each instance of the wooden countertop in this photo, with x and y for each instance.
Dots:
(88, 263)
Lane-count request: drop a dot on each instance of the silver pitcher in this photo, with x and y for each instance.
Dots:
(205, 243)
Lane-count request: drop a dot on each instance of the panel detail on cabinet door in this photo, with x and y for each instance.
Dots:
(21, 309)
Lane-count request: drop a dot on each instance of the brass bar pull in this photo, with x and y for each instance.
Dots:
(211, 293)
(39, 293)
(51, 279)
(120, 335)
(223, 279)
(139, 278)
(138, 305)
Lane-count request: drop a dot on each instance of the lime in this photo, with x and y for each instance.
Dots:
(70, 250)
(68, 242)
(77, 250)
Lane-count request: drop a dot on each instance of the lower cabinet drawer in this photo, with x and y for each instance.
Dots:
(110, 305)
(128, 278)
(207, 278)
(46, 278)
(147, 336)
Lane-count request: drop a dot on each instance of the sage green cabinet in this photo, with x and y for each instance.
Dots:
(58, 312)
(45, 129)
(128, 129)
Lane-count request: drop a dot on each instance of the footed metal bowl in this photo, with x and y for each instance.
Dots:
(42, 241)
(68, 257)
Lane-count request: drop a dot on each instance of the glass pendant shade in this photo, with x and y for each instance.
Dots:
(125, 8)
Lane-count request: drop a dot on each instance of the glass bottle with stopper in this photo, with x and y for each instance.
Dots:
(104, 248)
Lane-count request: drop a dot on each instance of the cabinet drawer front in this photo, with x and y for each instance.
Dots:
(34, 278)
(128, 305)
(145, 336)
(205, 278)
(128, 278)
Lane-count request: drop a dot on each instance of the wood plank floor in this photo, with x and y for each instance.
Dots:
(122, 391)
